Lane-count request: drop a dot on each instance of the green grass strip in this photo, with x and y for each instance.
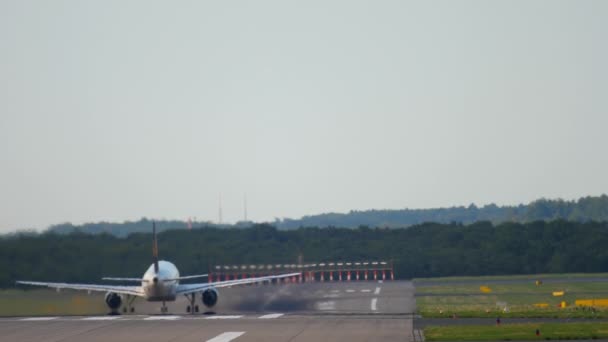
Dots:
(518, 332)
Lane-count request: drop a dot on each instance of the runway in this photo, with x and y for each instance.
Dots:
(354, 311)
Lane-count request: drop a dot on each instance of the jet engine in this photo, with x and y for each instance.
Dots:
(113, 300)
(210, 297)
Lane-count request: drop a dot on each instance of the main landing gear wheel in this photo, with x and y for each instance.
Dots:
(129, 304)
(190, 309)
(191, 299)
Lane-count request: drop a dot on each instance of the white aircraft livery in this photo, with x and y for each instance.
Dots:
(160, 283)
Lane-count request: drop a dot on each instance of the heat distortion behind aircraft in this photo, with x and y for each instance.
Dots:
(160, 283)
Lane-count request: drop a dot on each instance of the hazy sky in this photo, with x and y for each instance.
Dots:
(114, 110)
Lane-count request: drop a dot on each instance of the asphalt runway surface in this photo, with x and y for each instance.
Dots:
(344, 311)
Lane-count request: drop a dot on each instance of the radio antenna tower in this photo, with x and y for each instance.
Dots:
(220, 210)
(245, 208)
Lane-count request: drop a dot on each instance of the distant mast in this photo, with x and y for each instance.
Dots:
(220, 210)
(245, 207)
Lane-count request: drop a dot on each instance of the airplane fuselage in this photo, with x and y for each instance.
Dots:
(162, 285)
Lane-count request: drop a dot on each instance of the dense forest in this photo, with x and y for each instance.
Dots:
(583, 210)
(424, 250)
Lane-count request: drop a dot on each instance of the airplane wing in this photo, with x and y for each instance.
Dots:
(130, 290)
(189, 288)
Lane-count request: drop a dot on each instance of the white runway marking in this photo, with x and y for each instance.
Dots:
(335, 291)
(161, 318)
(275, 315)
(100, 318)
(326, 305)
(225, 317)
(380, 281)
(374, 304)
(377, 291)
(38, 318)
(350, 290)
(227, 336)
(332, 295)
(366, 290)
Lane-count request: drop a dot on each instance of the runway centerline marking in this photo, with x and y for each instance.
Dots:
(227, 336)
(162, 318)
(374, 304)
(377, 291)
(38, 318)
(326, 305)
(366, 290)
(350, 290)
(274, 315)
(331, 295)
(225, 317)
(100, 318)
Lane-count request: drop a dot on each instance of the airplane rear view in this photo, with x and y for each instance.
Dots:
(160, 283)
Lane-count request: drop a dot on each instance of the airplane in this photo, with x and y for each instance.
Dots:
(160, 283)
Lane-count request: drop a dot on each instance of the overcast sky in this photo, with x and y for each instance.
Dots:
(115, 110)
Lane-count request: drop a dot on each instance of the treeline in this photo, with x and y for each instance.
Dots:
(426, 250)
(582, 210)
(123, 229)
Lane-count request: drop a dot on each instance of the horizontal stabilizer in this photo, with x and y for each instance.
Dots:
(188, 277)
(139, 280)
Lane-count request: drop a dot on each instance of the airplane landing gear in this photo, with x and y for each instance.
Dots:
(129, 304)
(190, 310)
(164, 309)
(192, 299)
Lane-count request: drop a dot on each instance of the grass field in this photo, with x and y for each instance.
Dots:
(521, 332)
(448, 296)
(43, 302)
(531, 277)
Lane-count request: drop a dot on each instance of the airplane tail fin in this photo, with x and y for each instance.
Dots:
(154, 247)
